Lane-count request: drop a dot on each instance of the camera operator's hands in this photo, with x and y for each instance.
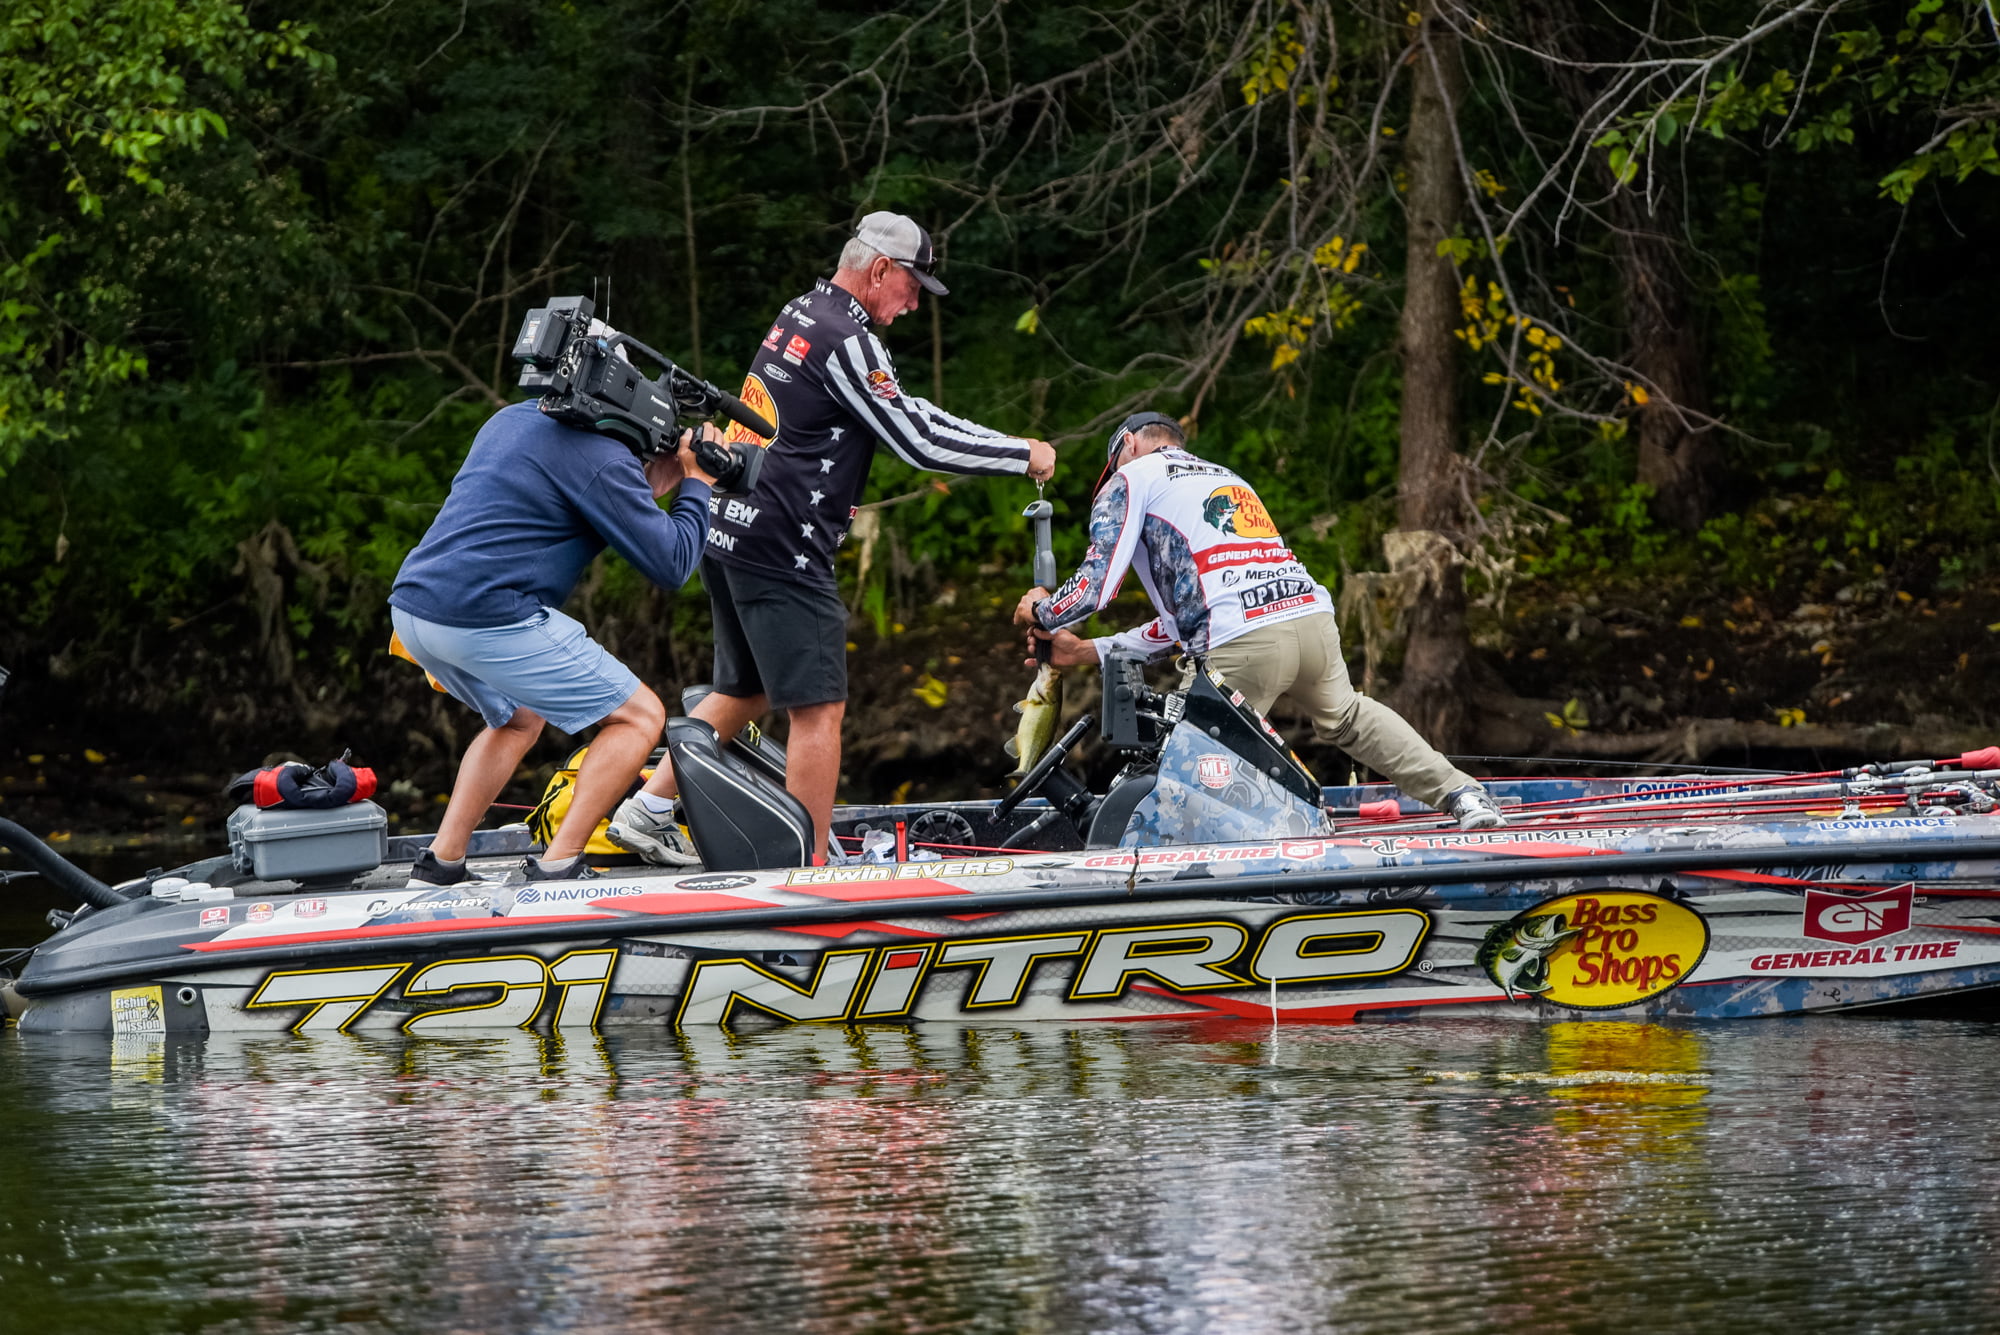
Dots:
(1041, 461)
(686, 457)
(663, 474)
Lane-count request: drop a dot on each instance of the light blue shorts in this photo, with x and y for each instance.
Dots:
(547, 663)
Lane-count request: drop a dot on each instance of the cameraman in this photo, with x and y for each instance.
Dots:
(825, 381)
(476, 605)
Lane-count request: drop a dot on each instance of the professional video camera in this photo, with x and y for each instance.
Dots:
(589, 380)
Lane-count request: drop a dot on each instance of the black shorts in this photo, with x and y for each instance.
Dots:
(776, 638)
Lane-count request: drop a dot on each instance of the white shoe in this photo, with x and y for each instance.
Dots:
(653, 836)
(1473, 809)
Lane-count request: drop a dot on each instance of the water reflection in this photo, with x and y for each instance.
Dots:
(1142, 1178)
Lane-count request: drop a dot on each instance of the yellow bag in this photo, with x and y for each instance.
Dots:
(547, 817)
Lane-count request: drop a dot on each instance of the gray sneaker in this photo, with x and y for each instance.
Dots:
(1474, 809)
(654, 837)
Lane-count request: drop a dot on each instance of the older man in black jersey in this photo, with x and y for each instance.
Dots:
(825, 381)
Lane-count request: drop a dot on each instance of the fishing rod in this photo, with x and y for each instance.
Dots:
(1613, 764)
(1887, 791)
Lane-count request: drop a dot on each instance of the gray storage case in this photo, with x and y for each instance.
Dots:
(279, 844)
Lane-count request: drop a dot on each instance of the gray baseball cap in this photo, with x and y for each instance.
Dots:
(903, 241)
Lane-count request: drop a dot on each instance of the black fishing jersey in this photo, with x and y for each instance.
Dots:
(829, 387)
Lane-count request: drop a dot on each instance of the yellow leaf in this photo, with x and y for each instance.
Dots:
(94, 756)
(931, 691)
(36, 760)
(1638, 393)
(1691, 622)
(1030, 321)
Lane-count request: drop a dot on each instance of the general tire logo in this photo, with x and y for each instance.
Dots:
(1851, 921)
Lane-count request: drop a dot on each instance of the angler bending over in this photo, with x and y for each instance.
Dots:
(1228, 590)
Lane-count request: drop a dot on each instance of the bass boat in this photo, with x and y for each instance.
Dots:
(1214, 878)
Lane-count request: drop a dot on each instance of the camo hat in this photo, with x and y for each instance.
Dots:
(1138, 422)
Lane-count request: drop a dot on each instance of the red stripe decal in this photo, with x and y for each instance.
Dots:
(688, 902)
(849, 892)
(836, 930)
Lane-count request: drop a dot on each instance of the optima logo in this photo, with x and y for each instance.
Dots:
(1851, 921)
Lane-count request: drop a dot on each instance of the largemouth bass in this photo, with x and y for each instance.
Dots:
(1040, 711)
(1517, 957)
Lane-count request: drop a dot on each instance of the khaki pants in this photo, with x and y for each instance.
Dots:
(1301, 659)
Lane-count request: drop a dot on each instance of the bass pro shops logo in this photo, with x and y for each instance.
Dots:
(1599, 951)
(756, 396)
(1237, 510)
(1851, 921)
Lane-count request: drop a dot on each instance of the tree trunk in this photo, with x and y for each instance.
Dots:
(1679, 460)
(1432, 691)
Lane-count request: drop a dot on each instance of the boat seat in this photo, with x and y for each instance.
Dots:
(738, 818)
(753, 744)
(1114, 813)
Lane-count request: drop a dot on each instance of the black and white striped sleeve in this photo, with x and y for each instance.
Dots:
(864, 379)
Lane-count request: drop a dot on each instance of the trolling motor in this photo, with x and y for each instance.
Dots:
(590, 381)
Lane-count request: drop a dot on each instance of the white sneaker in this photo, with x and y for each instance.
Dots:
(1473, 809)
(653, 836)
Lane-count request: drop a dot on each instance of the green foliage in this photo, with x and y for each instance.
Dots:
(100, 90)
(256, 282)
(1935, 64)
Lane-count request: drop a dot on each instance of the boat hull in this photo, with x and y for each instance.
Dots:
(1751, 922)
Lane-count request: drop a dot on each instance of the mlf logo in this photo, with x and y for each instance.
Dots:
(1214, 770)
(1852, 921)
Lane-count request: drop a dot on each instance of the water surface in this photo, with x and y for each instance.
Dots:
(1163, 1177)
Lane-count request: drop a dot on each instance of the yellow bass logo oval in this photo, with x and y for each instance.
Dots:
(757, 398)
(1237, 510)
(1595, 951)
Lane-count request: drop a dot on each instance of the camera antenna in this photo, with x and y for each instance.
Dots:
(607, 297)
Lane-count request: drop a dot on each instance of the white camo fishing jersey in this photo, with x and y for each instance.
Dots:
(826, 382)
(1215, 566)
